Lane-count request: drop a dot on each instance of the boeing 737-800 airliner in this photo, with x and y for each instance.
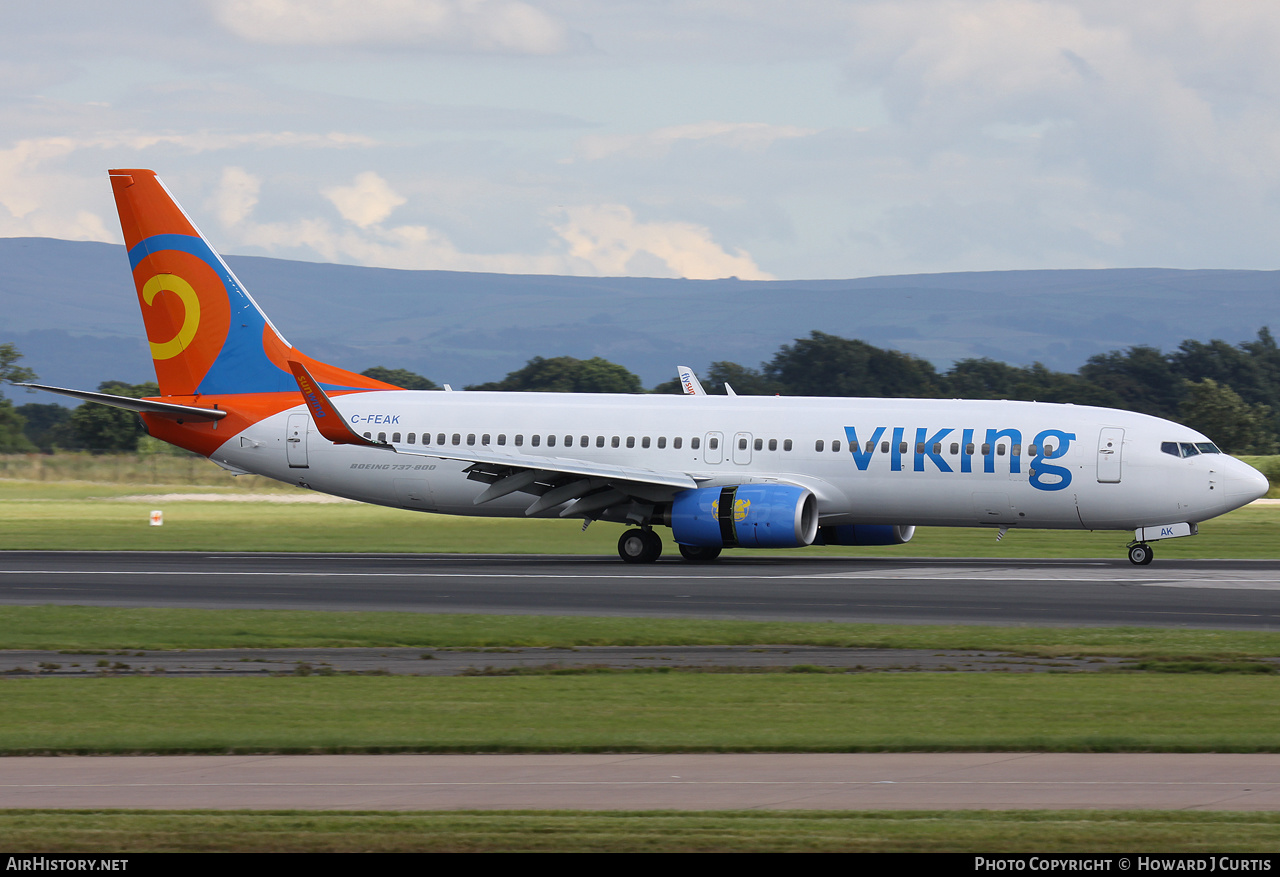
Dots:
(720, 471)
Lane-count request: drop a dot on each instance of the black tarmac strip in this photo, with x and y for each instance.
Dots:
(501, 662)
(1216, 594)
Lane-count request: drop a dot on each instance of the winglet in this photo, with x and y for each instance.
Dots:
(327, 419)
(689, 381)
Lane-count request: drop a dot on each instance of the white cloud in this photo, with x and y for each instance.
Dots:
(367, 201)
(505, 26)
(731, 135)
(236, 196)
(607, 240)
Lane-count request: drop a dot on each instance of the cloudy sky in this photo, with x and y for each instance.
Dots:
(707, 138)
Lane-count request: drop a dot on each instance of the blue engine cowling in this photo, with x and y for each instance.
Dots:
(745, 516)
(865, 534)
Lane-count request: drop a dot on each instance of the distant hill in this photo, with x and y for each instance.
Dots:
(69, 306)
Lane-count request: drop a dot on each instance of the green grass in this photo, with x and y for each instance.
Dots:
(1028, 831)
(653, 712)
(108, 628)
(76, 516)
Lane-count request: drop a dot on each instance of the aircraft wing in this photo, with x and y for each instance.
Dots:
(553, 481)
(580, 486)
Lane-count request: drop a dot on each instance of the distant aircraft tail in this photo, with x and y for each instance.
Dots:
(208, 336)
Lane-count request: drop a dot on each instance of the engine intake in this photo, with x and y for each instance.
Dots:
(745, 516)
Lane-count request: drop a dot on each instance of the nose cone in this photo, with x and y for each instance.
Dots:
(1245, 483)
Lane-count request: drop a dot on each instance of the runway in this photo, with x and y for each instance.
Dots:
(859, 781)
(1202, 594)
(1206, 594)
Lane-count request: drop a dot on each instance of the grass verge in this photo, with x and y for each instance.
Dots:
(82, 516)
(78, 628)
(1034, 831)
(652, 712)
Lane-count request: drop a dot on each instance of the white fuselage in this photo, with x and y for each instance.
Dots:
(923, 462)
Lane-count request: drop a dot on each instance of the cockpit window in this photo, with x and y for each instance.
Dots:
(1189, 449)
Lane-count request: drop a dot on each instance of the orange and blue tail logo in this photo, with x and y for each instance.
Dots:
(207, 334)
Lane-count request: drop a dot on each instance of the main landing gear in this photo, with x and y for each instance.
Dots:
(645, 546)
(640, 546)
(1140, 554)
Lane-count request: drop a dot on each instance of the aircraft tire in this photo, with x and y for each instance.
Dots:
(640, 546)
(1141, 554)
(699, 553)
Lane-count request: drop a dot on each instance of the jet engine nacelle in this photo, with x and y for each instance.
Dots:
(745, 516)
(865, 534)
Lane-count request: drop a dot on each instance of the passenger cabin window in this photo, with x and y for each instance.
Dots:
(440, 439)
(677, 442)
(819, 445)
(631, 441)
(999, 450)
(759, 444)
(937, 447)
(599, 441)
(471, 439)
(368, 435)
(551, 441)
(502, 438)
(955, 448)
(644, 442)
(968, 449)
(695, 442)
(395, 437)
(382, 436)
(1016, 450)
(884, 447)
(902, 447)
(835, 445)
(712, 443)
(615, 442)
(773, 444)
(786, 445)
(585, 441)
(519, 440)
(457, 438)
(535, 439)
(412, 437)
(662, 442)
(742, 444)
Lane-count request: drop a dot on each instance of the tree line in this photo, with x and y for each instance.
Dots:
(1229, 392)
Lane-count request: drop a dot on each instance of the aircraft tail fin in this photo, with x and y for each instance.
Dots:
(207, 334)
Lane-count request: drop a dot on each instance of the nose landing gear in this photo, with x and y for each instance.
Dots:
(1140, 554)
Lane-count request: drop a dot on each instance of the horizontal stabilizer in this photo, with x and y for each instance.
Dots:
(164, 409)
